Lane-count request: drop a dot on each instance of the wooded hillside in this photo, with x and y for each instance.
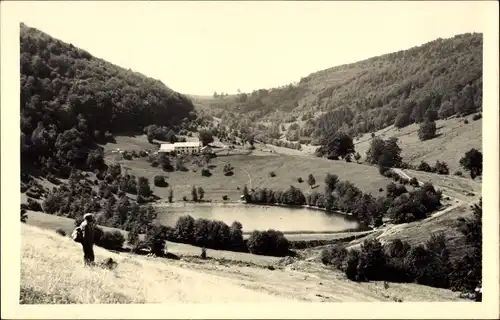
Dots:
(70, 100)
(444, 76)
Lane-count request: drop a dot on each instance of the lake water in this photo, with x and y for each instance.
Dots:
(253, 217)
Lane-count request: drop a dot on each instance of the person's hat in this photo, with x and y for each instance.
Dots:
(88, 217)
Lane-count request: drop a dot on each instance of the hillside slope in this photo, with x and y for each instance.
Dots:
(71, 100)
(443, 75)
(454, 138)
(140, 279)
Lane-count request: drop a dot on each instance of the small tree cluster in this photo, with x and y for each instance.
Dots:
(384, 153)
(228, 170)
(270, 242)
(472, 161)
(427, 130)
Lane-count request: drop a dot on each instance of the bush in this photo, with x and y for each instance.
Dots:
(414, 182)
(466, 121)
(24, 216)
(383, 170)
(272, 174)
(270, 242)
(159, 181)
(424, 166)
(441, 167)
(34, 205)
(477, 117)
(228, 170)
(112, 240)
(334, 255)
(427, 130)
(459, 173)
(300, 180)
(205, 172)
(472, 161)
(225, 197)
(61, 232)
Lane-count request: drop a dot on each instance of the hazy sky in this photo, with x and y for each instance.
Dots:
(202, 47)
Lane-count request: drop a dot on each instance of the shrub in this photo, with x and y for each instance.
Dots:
(477, 117)
(34, 205)
(24, 216)
(466, 121)
(206, 172)
(127, 155)
(414, 182)
(270, 242)
(441, 167)
(427, 130)
(228, 170)
(170, 195)
(61, 232)
(155, 239)
(272, 174)
(459, 173)
(334, 255)
(472, 161)
(194, 194)
(225, 197)
(424, 166)
(112, 240)
(300, 180)
(159, 181)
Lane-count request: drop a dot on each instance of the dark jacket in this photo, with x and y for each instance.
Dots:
(88, 232)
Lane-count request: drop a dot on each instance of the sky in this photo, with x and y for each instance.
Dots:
(202, 47)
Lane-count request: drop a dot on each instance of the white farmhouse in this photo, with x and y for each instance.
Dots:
(189, 147)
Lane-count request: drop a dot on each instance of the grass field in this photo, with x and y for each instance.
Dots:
(454, 139)
(43, 280)
(251, 170)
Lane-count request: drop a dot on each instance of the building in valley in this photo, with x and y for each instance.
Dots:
(190, 147)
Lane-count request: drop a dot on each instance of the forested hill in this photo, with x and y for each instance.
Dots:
(444, 75)
(70, 100)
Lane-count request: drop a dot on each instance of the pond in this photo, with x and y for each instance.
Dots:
(255, 217)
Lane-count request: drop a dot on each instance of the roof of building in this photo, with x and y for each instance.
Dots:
(172, 146)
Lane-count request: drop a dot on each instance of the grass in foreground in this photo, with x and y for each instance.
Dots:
(52, 272)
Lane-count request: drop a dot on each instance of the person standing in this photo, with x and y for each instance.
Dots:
(87, 228)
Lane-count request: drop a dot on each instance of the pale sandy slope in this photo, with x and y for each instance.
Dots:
(52, 265)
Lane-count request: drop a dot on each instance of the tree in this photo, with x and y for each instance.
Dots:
(467, 274)
(330, 182)
(311, 181)
(340, 145)
(159, 181)
(143, 188)
(194, 194)
(472, 161)
(155, 239)
(246, 194)
(441, 167)
(206, 137)
(424, 166)
(446, 110)
(427, 130)
(201, 193)
(430, 115)
(170, 195)
(384, 153)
